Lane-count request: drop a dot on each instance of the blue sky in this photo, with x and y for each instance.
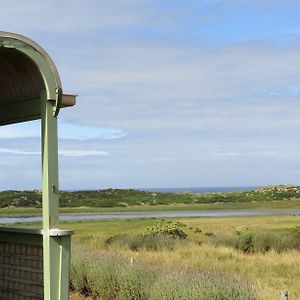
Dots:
(171, 93)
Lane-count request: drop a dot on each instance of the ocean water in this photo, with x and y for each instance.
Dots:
(201, 190)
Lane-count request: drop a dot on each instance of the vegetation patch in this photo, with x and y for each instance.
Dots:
(111, 277)
(201, 285)
(122, 198)
(170, 229)
(174, 272)
(161, 236)
(249, 241)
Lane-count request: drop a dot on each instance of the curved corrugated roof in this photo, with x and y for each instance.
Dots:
(26, 72)
(20, 78)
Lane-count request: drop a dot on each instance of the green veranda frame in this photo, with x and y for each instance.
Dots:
(30, 89)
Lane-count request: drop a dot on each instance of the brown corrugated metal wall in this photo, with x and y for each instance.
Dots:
(21, 272)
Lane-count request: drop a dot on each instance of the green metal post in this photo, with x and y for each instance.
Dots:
(49, 165)
(56, 249)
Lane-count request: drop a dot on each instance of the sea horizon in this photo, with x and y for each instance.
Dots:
(198, 190)
(201, 190)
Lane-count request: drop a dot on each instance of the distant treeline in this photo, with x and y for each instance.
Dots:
(130, 197)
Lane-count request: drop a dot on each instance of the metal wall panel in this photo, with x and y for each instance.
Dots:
(21, 271)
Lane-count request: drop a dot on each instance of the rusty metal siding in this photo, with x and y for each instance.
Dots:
(20, 78)
(21, 271)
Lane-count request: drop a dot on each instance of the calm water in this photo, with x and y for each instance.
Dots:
(201, 190)
(212, 213)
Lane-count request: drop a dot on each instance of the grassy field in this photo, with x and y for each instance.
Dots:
(241, 258)
(267, 273)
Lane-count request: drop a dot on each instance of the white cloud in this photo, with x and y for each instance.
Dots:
(84, 132)
(82, 153)
(197, 115)
(75, 16)
(249, 154)
(18, 151)
(159, 86)
(65, 131)
(63, 152)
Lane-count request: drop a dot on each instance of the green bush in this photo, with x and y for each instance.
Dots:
(172, 229)
(245, 241)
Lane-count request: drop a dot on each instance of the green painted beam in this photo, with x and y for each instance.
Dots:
(56, 250)
(49, 166)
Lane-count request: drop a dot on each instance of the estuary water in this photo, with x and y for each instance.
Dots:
(141, 215)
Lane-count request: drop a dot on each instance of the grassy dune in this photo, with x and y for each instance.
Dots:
(131, 200)
(276, 204)
(266, 273)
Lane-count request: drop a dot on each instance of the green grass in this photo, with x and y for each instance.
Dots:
(20, 211)
(157, 208)
(219, 226)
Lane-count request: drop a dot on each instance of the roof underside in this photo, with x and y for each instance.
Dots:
(28, 76)
(20, 78)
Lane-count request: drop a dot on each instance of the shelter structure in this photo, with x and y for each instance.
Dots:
(34, 263)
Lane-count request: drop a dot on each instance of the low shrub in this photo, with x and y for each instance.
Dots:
(79, 272)
(245, 240)
(265, 241)
(201, 285)
(250, 242)
(149, 242)
(197, 230)
(209, 234)
(161, 236)
(110, 277)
